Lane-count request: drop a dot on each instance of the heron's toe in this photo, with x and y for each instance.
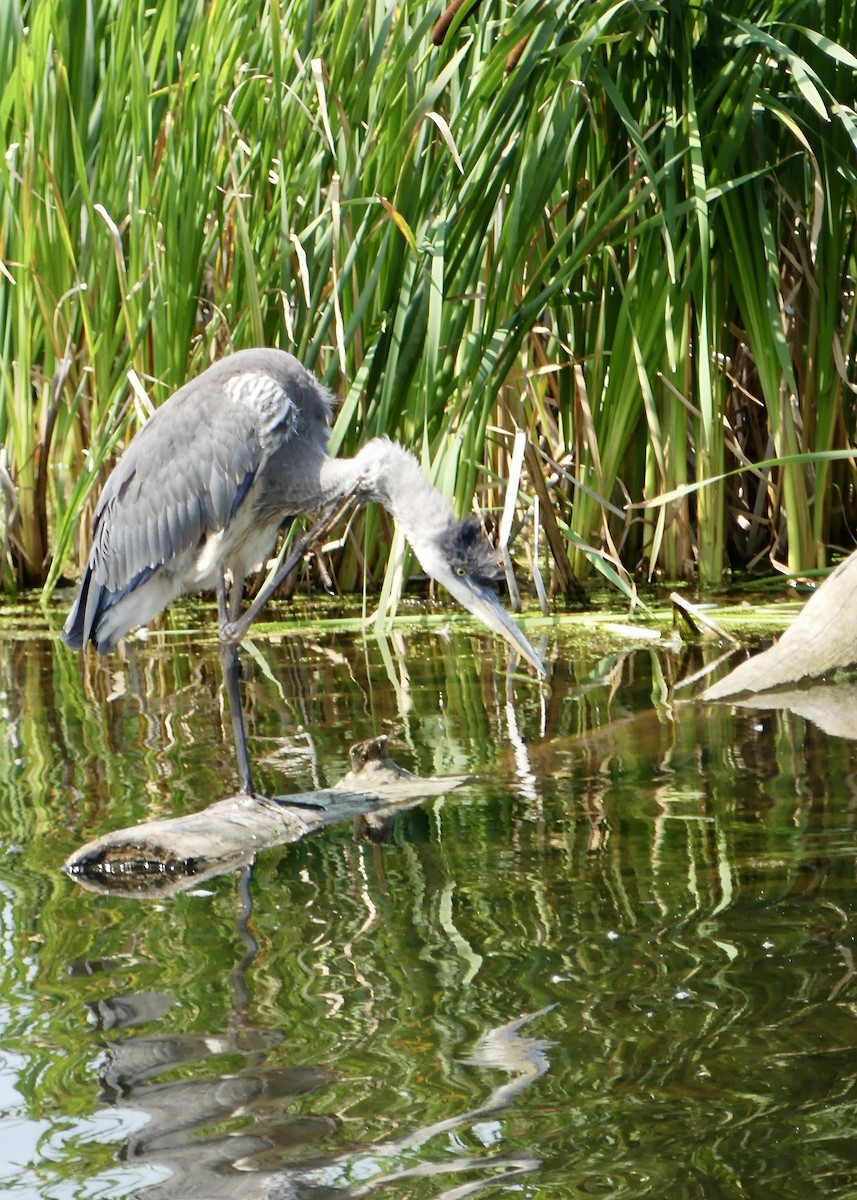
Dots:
(230, 634)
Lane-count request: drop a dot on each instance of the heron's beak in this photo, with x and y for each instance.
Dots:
(482, 601)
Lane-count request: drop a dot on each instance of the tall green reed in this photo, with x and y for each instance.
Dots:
(637, 243)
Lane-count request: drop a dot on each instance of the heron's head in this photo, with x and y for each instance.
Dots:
(459, 558)
(450, 551)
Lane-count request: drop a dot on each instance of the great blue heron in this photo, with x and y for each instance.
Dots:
(198, 498)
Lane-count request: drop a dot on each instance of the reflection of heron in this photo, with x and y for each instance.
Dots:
(210, 479)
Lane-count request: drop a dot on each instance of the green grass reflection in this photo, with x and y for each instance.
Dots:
(619, 962)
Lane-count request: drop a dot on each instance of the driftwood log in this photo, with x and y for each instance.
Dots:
(159, 858)
(822, 638)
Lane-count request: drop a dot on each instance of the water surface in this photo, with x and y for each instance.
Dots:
(617, 963)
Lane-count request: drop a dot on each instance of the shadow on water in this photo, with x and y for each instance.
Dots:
(619, 962)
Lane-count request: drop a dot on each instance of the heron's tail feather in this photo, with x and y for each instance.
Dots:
(77, 630)
(103, 617)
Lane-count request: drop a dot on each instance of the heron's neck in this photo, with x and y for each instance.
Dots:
(388, 474)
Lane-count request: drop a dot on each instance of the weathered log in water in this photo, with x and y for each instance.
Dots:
(822, 638)
(163, 857)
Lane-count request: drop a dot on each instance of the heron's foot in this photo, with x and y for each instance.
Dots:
(231, 632)
(280, 802)
(288, 802)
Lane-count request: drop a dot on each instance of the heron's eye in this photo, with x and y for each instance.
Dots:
(460, 572)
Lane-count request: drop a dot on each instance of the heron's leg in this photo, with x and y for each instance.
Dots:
(229, 669)
(234, 631)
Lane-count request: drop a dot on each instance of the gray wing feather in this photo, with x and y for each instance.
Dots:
(221, 491)
(185, 473)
